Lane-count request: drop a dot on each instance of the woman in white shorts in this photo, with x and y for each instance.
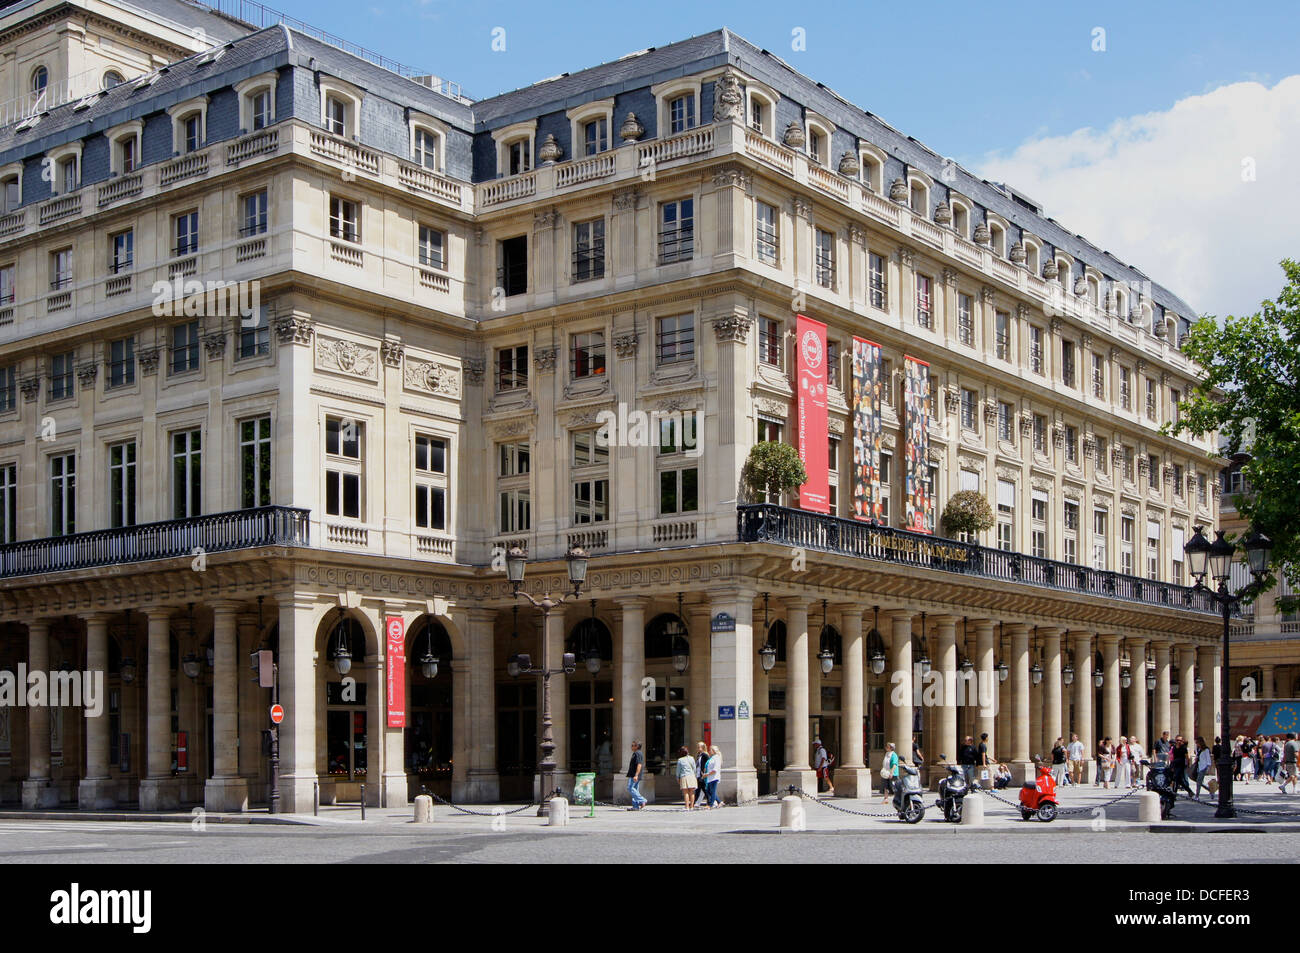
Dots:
(686, 777)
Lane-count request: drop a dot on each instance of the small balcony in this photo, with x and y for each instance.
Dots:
(765, 523)
(215, 533)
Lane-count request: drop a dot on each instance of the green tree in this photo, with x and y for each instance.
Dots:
(967, 512)
(1251, 397)
(772, 468)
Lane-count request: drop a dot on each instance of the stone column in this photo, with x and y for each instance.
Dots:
(1110, 710)
(296, 658)
(1187, 692)
(986, 683)
(159, 791)
(1211, 700)
(97, 790)
(814, 664)
(1267, 682)
(797, 768)
(1136, 724)
(253, 705)
(631, 723)
(1083, 701)
(38, 792)
(852, 776)
(1163, 720)
(1021, 767)
(482, 783)
(225, 790)
(698, 685)
(1053, 723)
(898, 721)
(731, 668)
(945, 663)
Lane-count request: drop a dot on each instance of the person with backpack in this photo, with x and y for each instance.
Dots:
(822, 762)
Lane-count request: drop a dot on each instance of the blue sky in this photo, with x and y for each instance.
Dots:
(1190, 92)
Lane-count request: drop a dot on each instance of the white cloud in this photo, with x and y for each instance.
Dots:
(1164, 191)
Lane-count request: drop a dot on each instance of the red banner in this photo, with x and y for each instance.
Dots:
(814, 432)
(395, 630)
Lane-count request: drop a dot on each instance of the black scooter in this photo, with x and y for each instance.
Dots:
(952, 791)
(1160, 781)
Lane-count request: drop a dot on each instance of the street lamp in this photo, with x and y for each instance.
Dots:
(342, 653)
(428, 661)
(825, 655)
(874, 637)
(681, 647)
(1126, 678)
(1216, 560)
(1067, 674)
(1036, 670)
(766, 654)
(1099, 679)
(191, 664)
(576, 562)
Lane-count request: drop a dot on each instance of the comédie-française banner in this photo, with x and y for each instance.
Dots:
(814, 431)
(867, 387)
(919, 506)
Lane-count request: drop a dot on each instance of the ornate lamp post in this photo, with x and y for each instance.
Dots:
(577, 565)
(1216, 559)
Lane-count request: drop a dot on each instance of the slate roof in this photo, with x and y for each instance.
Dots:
(187, 16)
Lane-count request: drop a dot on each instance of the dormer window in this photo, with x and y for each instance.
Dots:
(681, 113)
(819, 139)
(126, 154)
(68, 174)
(259, 105)
(189, 125)
(40, 79)
(336, 115)
(1032, 256)
(191, 133)
(757, 115)
(519, 156)
(998, 239)
(340, 107)
(515, 147)
(595, 137)
(11, 193)
(918, 199)
(873, 167)
(760, 108)
(124, 142)
(425, 150)
(1063, 269)
(113, 78)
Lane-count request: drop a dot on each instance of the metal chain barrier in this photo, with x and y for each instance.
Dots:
(835, 807)
(465, 810)
(1063, 810)
(1236, 806)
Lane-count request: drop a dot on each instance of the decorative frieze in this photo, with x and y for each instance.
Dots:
(625, 344)
(1058, 436)
(391, 351)
(773, 408)
(733, 328)
(30, 386)
(732, 175)
(857, 235)
(950, 277)
(951, 400)
(1026, 426)
(441, 380)
(293, 329)
(1117, 455)
(904, 254)
(86, 374)
(545, 219)
(626, 199)
(148, 358)
(990, 412)
(801, 207)
(1022, 312)
(728, 100)
(347, 357)
(544, 359)
(214, 343)
(987, 294)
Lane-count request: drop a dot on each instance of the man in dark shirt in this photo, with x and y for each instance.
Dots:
(1163, 746)
(635, 765)
(1178, 756)
(966, 758)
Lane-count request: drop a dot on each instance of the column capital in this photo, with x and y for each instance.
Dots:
(900, 615)
(161, 613)
(96, 617)
(226, 606)
(480, 613)
(946, 620)
(983, 625)
(1051, 631)
(632, 602)
(1078, 635)
(795, 603)
(1109, 640)
(1015, 629)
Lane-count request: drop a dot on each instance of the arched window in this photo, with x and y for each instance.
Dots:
(1094, 291)
(1032, 257)
(439, 647)
(998, 239)
(660, 635)
(353, 637)
(961, 219)
(590, 634)
(1063, 272)
(40, 79)
(919, 198)
(113, 78)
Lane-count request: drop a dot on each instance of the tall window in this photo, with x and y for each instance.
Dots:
(61, 375)
(433, 247)
(765, 229)
(1101, 454)
(1175, 396)
(1153, 549)
(1002, 334)
(60, 268)
(512, 270)
(254, 214)
(121, 362)
(344, 439)
(8, 389)
(121, 484)
(1038, 517)
(1130, 457)
(260, 107)
(675, 339)
(255, 334)
(1179, 538)
(68, 174)
(965, 319)
(589, 250)
(1153, 471)
(590, 469)
(681, 114)
(1125, 389)
(1179, 487)
(1036, 349)
(426, 149)
(876, 281)
(676, 466)
(8, 503)
(192, 132)
(1151, 398)
(121, 251)
(430, 482)
(185, 347)
(1067, 363)
(1070, 551)
(187, 473)
(770, 338)
(63, 494)
(1006, 422)
(824, 257)
(514, 498)
(519, 156)
(1006, 516)
(595, 136)
(1040, 433)
(345, 219)
(186, 229)
(1099, 520)
(969, 410)
(1126, 533)
(255, 462)
(1071, 444)
(676, 231)
(833, 363)
(7, 285)
(512, 368)
(1098, 377)
(336, 115)
(923, 302)
(587, 354)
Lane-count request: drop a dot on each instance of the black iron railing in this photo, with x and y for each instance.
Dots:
(778, 524)
(216, 533)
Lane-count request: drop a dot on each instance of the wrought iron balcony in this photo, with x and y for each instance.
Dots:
(830, 534)
(215, 533)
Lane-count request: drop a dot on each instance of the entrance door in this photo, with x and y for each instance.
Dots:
(762, 765)
(517, 738)
(591, 726)
(776, 743)
(428, 739)
(665, 728)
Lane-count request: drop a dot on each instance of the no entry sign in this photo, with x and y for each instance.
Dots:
(277, 714)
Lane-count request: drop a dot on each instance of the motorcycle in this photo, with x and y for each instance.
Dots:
(1038, 798)
(952, 790)
(907, 793)
(1159, 782)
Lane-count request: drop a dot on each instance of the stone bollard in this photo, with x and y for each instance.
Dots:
(972, 811)
(792, 813)
(423, 809)
(557, 812)
(1148, 807)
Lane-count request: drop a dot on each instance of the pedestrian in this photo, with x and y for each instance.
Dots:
(1075, 753)
(1204, 760)
(712, 775)
(966, 758)
(1289, 751)
(1123, 766)
(918, 756)
(889, 771)
(635, 765)
(686, 777)
(1136, 754)
(1002, 776)
(1058, 761)
(1105, 763)
(701, 781)
(822, 761)
(1268, 759)
(1178, 758)
(1163, 744)
(982, 756)
(1237, 754)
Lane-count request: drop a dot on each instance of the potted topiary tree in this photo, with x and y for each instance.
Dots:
(967, 514)
(771, 468)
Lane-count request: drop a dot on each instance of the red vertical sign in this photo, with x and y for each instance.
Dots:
(814, 432)
(395, 630)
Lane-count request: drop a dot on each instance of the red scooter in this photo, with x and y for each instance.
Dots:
(1039, 797)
